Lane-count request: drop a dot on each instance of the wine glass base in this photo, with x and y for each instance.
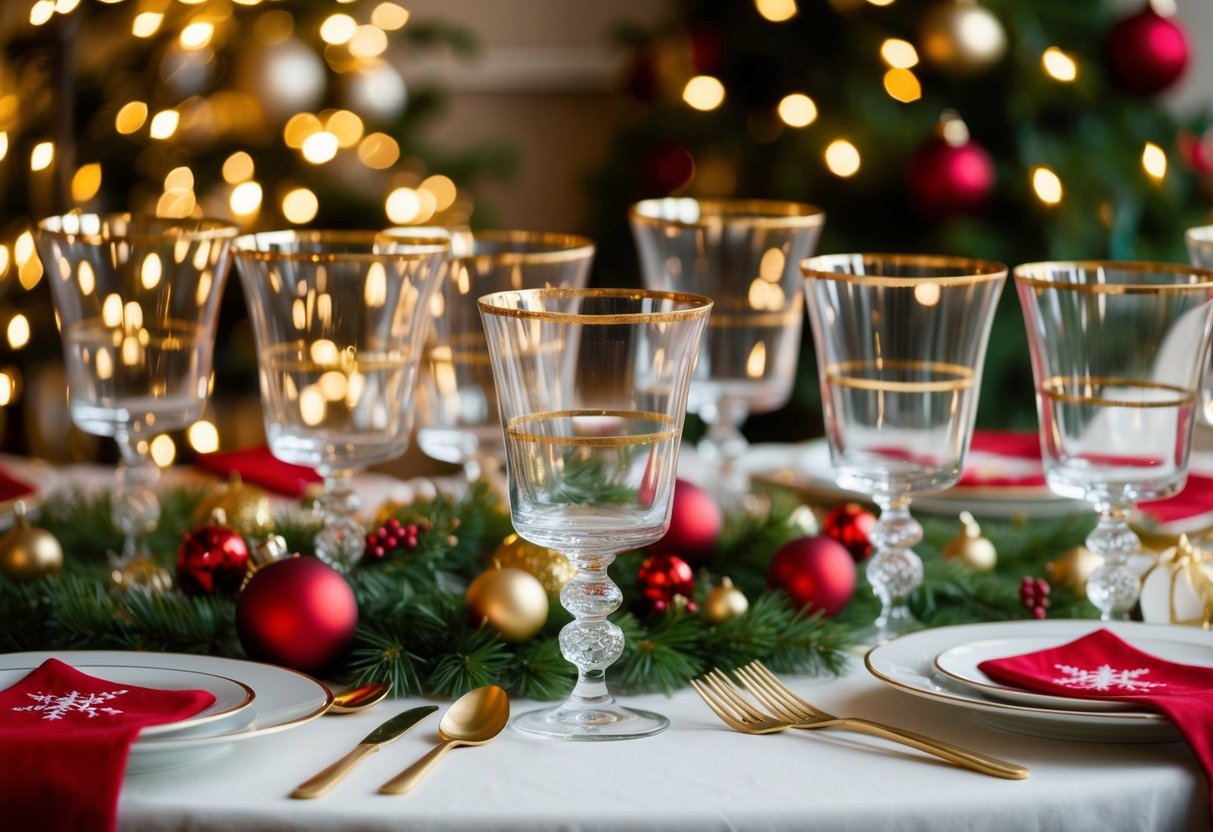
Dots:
(598, 724)
(874, 635)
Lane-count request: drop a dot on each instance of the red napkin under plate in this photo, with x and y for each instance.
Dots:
(65, 738)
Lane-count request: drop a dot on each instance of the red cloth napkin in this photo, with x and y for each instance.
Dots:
(64, 739)
(11, 488)
(1101, 665)
(259, 467)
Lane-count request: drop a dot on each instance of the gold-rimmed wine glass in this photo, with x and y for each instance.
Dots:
(1200, 253)
(900, 341)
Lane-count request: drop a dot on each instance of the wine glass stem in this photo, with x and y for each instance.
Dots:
(723, 444)
(590, 641)
(894, 570)
(342, 540)
(135, 509)
(1113, 587)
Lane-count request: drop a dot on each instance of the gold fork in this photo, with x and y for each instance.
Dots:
(736, 711)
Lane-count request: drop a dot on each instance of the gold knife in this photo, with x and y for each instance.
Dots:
(397, 726)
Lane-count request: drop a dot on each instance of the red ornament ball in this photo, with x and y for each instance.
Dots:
(666, 167)
(850, 524)
(695, 523)
(817, 572)
(299, 613)
(665, 578)
(1147, 52)
(212, 559)
(946, 178)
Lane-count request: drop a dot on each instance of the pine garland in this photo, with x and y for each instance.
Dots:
(415, 632)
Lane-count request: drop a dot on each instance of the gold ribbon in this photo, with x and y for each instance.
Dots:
(1186, 560)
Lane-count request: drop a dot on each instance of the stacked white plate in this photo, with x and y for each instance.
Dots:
(941, 664)
(251, 699)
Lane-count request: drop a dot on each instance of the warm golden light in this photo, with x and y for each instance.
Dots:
(300, 205)
(299, 127)
(927, 294)
(3, 143)
(368, 42)
(1047, 185)
(66, 6)
(131, 117)
(390, 16)
(797, 110)
(311, 405)
(756, 364)
(1154, 161)
(197, 34)
(403, 205)
(899, 54)
(880, 2)
(41, 12)
(146, 24)
(319, 148)
(179, 178)
(164, 124)
(776, 11)
(86, 278)
(176, 203)
(152, 269)
(111, 311)
(324, 352)
(842, 158)
(238, 168)
(703, 92)
(338, 29)
(163, 450)
(442, 188)
(7, 389)
(41, 157)
(86, 182)
(346, 126)
(4, 260)
(245, 199)
(902, 85)
(1058, 65)
(378, 151)
(203, 437)
(18, 331)
(374, 292)
(770, 267)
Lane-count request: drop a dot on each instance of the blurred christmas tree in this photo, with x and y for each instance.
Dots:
(1012, 130)
(274, 114)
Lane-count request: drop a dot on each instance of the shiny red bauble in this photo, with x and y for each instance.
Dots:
(851, 525)
(946, 178)
(695, 523)
(299, 613)
(212, 559)
(1147, 52)
(664, 580)
(817, 572)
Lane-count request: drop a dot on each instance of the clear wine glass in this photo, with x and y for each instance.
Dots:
(457, 413)
(1117, 353)
(900, 343)
(745, 255)
(1200, 253)
(592, 386)
(137, 299)
(340, 319)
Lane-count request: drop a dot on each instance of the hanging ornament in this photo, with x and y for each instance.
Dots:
(1179, 588)
(285, 78)
(817, 572)
(1034, 596)
(376, 92)
(666, 167)
(551, 568)
(212, 558)
(667, 581)
(1148, 51)
(850, 524)
(969, 547)
(142, 574)
(1196, 150)
(296, 612)
(950, 174)
(511, 601)
(28, 552)
(1072, 569)
(724, 602)
(246, 507)
(695, 523)
(961, 37)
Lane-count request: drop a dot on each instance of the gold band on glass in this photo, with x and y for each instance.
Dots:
(841, 374)
(1037, 276)
(206, 228)
(1055, 389)
(699, 305)
(884, 269)
(253, 246)
(592, 441)
(765, 213)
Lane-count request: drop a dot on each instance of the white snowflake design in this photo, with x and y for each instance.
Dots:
(1105, 678)
(56, 706)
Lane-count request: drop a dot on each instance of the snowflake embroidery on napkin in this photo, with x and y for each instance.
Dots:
(1105, 678)
(54, 706)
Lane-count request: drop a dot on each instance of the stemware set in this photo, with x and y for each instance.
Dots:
(584, 391)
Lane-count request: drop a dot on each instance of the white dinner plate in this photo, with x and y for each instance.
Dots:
(231, 696)
(908, 664)
(285, 699)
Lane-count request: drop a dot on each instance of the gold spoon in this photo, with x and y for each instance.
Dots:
(475, 718)
(360, 698)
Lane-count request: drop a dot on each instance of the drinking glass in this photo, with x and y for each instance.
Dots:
(339, 318)
(900, 343)
(592, 386)
(745, 255)
(1117, 353)
(1200, 253)
(457, 414)
(137, 299)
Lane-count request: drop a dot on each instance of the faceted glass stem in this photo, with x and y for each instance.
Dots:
(894, 570)
(1113, 587)
(723, 445)
(342, 540)
(135, 510)
(592, 643)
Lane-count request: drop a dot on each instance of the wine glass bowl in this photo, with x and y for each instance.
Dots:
(900, 342)
(339, 319)
(1200, 253)
(1117, 351)
(137, 300)
(592, 386)
(745, 255)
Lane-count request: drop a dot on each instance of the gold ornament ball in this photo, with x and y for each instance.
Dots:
(28, 553)
(970, 547)
(246, 508)
(1072, 569)
(962, 37)
(143, 574)
(724, 602)
(551, 568)
(511, 601)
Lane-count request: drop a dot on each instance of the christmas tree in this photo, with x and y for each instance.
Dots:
(1012, 130)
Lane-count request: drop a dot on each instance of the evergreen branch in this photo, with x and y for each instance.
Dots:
(479, 658)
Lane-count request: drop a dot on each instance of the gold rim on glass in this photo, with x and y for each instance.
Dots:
(700, 306)
(593, 441)
(841, 374)
(87, 228)
(952, 271)
(545, 246)
(773, 213)
(1056, 388)
(263, 245)
(1037, 276)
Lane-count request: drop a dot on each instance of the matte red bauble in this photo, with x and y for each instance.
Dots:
(1147, 52)
(950, 174)
(299, 613)
(664, 579)
(695, 523)
(212, 559)
(666, 167)
(817, 572)
(850, 524)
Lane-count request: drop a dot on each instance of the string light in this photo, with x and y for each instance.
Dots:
(320, 147)
(368, 42)
(203, 437)
(163, 450)
(41, 12)
(797, 110)
(346, 126)
(6, 389)
(66, 6)
(842, 158)
(899, 54)
(41, 157)
(18, 331)
(390, 16)
(300, 205)
(197, 34)
(378, 151)
(131, 117)
(245, 199)
(776, 11)
(299, 127)
(3, 143)
(338, 29)
(146, 24)
(164, 124)
(443, 189)
(1047, 185)
(902, 85)
(1058, 65)
(238, 168)
(403, 205)
(703, 92)
(1154, 161)
(86, 182)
